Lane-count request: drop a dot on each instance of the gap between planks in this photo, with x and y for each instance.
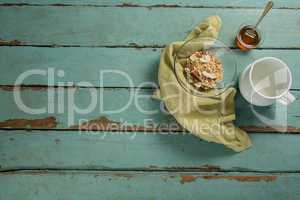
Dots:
(140, 129)
(38, 87)
(17, 43)
(131, 5)
(209, 169)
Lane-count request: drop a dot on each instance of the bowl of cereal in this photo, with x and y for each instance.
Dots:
(205, 67)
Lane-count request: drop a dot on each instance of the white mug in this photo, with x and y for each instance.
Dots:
(266, 81)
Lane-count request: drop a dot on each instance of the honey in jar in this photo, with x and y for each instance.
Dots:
(248, 38)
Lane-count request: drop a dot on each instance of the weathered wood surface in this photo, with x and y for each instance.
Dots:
(161, 3)
(106, 26)
(134, 108)
(84, 64)
(22, 149)
(162, 185)
(133, 162)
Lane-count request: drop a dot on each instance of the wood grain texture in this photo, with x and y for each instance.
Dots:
(85, 64)
(166, 3)
(131, 185)
(132, 164)
(134, 109)
(22, 149)
(106, 26)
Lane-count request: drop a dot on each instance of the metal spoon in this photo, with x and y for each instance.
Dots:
(252, 32)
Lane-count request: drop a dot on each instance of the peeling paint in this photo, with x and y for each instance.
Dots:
(49, 122)
(191, 178)
(125, 175)
(210, 168)
(101, 123)
(188, 179)
(10, 42)
(11, 88)
(243, 178)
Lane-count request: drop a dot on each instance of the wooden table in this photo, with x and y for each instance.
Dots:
(45, 156)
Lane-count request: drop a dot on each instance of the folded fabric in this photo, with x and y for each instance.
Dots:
(208, 118)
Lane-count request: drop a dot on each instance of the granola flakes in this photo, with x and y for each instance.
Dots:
(203, 70)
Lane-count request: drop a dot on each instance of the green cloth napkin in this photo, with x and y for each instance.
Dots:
(208, 118)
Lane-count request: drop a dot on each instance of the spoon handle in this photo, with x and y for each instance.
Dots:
(266, 10)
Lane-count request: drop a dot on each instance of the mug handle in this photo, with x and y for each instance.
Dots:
(286, 99)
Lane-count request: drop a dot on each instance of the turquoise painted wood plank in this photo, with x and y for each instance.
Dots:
(130, 107)
(105, 26)
(149, 151)
(216, 3)
(146, 185)
(85, 64)
(80, 64)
